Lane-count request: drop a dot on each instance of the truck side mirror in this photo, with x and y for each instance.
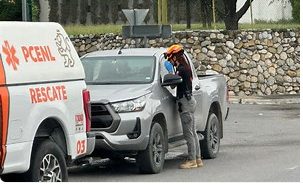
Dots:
(170, 79)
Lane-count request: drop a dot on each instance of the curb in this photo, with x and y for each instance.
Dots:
(276, 100)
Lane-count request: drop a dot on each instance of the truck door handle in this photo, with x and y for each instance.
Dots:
(197, 87)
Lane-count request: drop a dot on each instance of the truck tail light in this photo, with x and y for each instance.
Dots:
(87, 109)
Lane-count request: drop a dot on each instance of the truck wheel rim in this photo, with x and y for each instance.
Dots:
(50, 170)
(157, 148)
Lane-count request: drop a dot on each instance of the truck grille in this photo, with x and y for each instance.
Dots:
(101, 117)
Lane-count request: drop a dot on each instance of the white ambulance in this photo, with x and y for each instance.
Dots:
(44, 104)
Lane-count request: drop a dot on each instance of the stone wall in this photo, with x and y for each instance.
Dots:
(254, 62)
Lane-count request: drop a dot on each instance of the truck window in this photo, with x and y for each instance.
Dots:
(163, 72)
(191, 66)
(119, 70)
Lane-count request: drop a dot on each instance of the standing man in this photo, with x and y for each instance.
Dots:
(187, 106)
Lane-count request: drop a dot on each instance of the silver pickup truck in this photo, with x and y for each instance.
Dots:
(134, 110)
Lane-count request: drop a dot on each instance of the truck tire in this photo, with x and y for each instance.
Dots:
(48, 163)
(211, 143)
(151, 160)
(12, 177)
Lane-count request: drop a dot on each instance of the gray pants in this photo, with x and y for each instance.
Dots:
(188, 108)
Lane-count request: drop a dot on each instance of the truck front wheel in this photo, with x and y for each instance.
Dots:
(47, 163)
(211, 143)
(151, 160)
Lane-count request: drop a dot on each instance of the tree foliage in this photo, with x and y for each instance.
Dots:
(295, 10)
(10, 10)
(104, 11)
(53, 13)
(114, 8)
(65, 11)
(83, 11)
(110, 11)
(73, 14)
(94, 11)
(36, 10)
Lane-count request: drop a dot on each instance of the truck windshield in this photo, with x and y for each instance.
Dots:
(119, 70)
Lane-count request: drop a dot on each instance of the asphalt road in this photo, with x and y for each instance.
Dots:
(261, 144)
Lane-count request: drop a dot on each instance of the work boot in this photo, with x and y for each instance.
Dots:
(189, 165)
(199, 162)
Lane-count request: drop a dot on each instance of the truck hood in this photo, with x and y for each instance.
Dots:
(115, 93)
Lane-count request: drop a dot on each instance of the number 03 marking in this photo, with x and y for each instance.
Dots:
(81, 147)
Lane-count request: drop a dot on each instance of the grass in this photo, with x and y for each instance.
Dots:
(92, 29)
(116, 29)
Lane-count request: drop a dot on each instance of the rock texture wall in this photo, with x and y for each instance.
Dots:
(254, 62)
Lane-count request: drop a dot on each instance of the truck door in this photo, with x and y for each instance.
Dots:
(169, 105)
(197, 93)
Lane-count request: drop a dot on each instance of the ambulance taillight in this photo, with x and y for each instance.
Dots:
(1, 133)
(87, 109)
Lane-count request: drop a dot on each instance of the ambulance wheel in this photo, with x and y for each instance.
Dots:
(151, 160)
(48, 163)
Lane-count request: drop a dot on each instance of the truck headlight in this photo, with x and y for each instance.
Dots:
(131, 105)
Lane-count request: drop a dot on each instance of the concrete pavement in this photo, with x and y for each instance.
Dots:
(271, 99)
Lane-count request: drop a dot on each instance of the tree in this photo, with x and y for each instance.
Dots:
(104, 11)
(114, 11)
(53, 13)
(36, 10)
(188, 17)
(10, 10)
(73, 14)
(232, 16)
(65, 9)
(295, 10)
(83, 11)
(206, 12)
(94, 11)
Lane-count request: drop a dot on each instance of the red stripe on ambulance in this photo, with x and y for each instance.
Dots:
(4, 109)
(47, 94)
(4, 112)
(37, 54)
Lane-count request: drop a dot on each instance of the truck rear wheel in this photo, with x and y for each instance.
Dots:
(47, 163)
(211, 143)
(151, 160)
